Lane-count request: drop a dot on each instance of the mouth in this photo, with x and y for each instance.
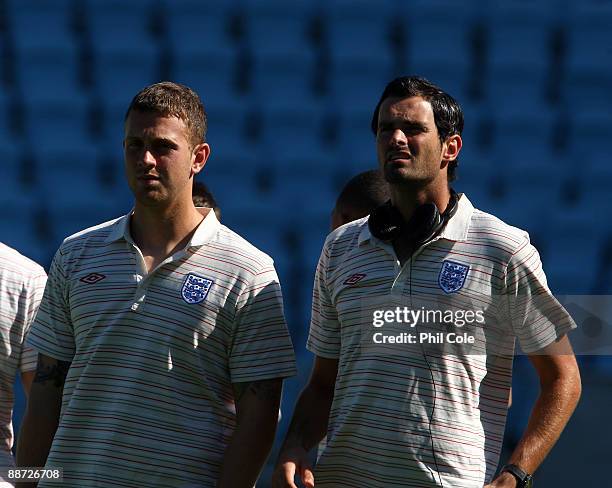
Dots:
(399, 157)
(148, 178)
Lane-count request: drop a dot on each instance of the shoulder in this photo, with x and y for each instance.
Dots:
(97, 234)
(17, 264)
(236, 252)
(488, 230)
(346, 237)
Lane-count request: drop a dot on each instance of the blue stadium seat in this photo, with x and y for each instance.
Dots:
(60, 165)
(356, 143)
(51, 21)
(115, 24)
(284, 80)
(589, 128)
(68, 220)
(193, 26)
(213, 73)
(120, 74)
(357, 29)
(277, 28)
(228, 129)
(357, 83)
(519, 52)
(293, 134)
(437, 43)
(525, 134)
(47, 73)
(589, 69)
(572, 254)
(50, 123)
(10, 170)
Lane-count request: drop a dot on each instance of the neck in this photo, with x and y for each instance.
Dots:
(406, 200)
(156, 229)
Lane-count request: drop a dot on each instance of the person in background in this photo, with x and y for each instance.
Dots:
(202, 197)
(359, 197)
(22, 282)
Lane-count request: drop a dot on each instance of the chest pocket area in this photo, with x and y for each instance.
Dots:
(98, 298)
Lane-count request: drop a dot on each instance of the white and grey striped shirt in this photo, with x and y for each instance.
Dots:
(148, 399)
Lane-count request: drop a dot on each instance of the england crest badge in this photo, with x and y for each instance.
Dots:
(452, 276)
(195, 288)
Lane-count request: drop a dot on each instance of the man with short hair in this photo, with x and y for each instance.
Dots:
(161, 334)
(359, 197)
(398, 408)
(203, 197)
(22, 282)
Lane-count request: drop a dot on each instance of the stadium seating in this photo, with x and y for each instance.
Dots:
(289, 88)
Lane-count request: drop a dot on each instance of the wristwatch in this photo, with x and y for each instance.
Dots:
(523, 480)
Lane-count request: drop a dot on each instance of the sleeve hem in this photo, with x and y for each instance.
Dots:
(272, 375)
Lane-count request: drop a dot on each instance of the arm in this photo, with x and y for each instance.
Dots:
(560, 390)
(308, 425)
(42, 413)
(257, 406)
(27, 378)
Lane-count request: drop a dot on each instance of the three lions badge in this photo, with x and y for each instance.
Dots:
(452, 276)
(195, 288)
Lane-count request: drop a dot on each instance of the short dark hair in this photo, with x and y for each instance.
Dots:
(448, 115)
(364, 192)
(202, 197)
(171, 99)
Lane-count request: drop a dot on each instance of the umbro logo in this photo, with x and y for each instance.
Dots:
(351, 280)
(92, 278)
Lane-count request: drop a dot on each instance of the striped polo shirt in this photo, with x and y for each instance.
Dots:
(22, 282)
(148, 399)
(418, 415)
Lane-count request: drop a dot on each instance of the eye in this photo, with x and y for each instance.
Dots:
(133, 144)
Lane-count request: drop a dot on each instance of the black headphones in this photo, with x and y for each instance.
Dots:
(386, 222)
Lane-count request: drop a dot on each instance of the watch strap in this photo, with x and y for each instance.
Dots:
(523, 479)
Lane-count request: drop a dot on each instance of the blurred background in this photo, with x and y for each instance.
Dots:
(289, 88)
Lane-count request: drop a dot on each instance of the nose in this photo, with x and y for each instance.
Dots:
(398, 138)
(147, 159)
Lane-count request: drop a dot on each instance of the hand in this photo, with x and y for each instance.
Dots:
(504, 480)
(291, 462)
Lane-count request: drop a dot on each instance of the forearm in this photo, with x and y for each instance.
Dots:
(257, 406)
(247, 452)
(42, 413)
(309, 423)
(35, 438)
(550, 414)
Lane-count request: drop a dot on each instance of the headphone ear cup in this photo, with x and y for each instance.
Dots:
(424, 224)
(385, 222)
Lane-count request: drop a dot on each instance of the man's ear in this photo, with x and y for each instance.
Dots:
(201, 153)
(451, 148)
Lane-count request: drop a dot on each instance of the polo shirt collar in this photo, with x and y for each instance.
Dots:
(203, 233)
(456, 229)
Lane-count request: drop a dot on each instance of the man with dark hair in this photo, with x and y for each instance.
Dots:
(161, 336)
(202, 197)
(359, 197)
(402, 401)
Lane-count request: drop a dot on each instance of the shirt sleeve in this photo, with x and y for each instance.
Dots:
(34, 289)
(537, 318)
(51, 333)
(324, 336)
(261, 346)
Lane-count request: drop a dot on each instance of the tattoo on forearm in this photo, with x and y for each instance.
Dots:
(51, 370)
(268, 390)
